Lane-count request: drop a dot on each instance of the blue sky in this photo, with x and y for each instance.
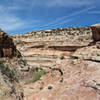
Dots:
(21, 16)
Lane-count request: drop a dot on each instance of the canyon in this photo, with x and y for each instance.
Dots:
(56, 64)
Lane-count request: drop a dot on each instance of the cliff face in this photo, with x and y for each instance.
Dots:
(7, 47)
(38, 47)
(10, 88)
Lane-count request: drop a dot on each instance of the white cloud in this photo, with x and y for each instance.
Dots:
(10, 22)
(68, 18)
(69, 3)
(23, 4)
(30, 4)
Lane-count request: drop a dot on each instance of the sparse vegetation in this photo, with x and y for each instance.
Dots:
(98, 54)
(73, 57)
(53, 69)
(41, 88)
(80, 39)
(50, 87)
(37, 69)
(57, 69)
(21, 61)
(61, 80)
(62, 57)
(7, 71)
(38, 73)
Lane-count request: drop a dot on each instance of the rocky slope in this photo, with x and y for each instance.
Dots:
(71, 65)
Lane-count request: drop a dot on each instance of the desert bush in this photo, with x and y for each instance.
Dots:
(5, 69)
(38, 73)
(50, 87)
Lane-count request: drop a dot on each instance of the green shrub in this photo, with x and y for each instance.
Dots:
(36, 69)
(38, 75)
(50, 87)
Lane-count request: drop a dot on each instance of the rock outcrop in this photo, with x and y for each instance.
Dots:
(7, 47)
(96, 33)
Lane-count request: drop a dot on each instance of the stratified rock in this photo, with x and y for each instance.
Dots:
(7, 47)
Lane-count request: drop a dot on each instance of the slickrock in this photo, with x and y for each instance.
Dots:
(80, 81)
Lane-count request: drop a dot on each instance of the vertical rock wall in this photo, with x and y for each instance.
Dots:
(95, 33)
(7, 47)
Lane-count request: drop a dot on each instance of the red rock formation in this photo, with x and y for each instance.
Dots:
(7, 47)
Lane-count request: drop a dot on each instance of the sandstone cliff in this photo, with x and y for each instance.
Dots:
(48, 45)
